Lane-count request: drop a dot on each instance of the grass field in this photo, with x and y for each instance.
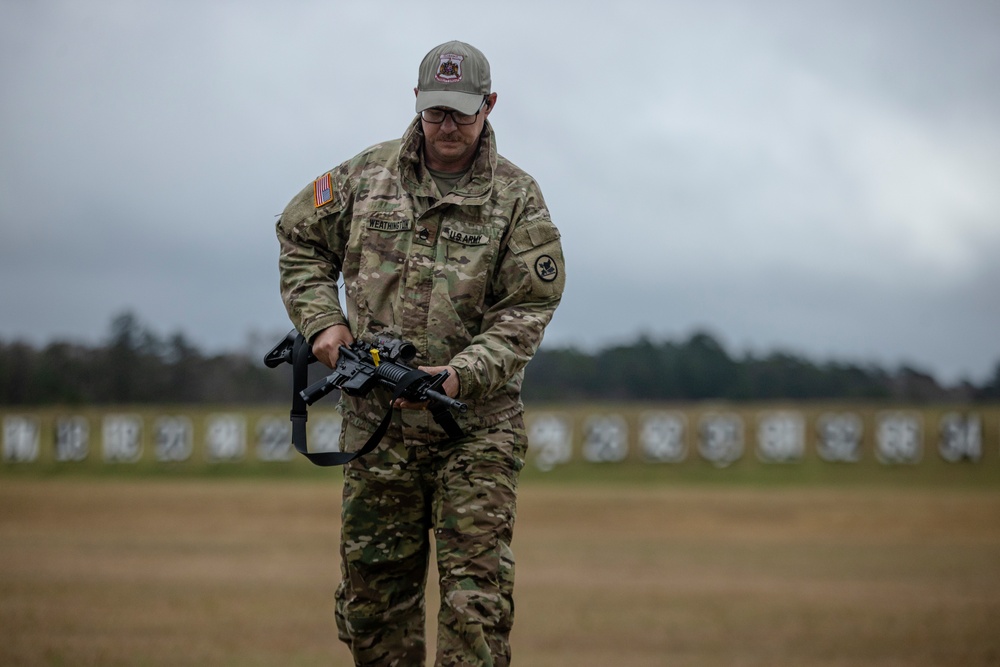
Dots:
(616, 566)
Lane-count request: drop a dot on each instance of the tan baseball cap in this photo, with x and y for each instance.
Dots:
(454, 75)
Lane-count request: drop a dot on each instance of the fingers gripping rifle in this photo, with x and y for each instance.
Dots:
(360, 368)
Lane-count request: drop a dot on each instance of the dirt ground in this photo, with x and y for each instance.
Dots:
(242, 572)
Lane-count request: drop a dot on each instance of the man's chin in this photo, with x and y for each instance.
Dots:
(450, 153)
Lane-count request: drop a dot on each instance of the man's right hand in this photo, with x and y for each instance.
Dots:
(326, 345)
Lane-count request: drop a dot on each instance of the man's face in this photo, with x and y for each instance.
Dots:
(451, 147)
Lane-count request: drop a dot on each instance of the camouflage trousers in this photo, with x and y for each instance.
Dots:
(395, 498)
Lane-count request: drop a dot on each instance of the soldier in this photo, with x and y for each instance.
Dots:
(443, 242)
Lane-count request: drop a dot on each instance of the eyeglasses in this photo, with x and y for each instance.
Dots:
(436, 116)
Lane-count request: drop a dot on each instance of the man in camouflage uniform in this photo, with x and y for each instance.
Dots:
(443, 242)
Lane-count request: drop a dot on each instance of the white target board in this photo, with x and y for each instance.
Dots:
(781, 437)
(324, 433)
(72, 439)
(121, 438)
(961, 438)
(838, 437)
(720, 438)
(20, 439)
(550, 441)
(662, 436)
(605, 439)
(225, 438)
(274, 439)
(898, 438)
(173, 439)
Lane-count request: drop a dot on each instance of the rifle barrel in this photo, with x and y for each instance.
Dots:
(447, 400)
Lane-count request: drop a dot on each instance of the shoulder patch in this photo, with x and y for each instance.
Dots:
(323, 190)
(546, 268)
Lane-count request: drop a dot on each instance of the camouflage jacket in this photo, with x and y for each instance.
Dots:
(471, 278)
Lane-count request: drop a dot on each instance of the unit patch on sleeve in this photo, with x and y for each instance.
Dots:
(546, 268)
(323, 190)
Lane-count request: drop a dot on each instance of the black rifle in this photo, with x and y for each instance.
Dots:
(360, 368)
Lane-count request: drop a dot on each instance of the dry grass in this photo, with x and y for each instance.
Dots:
(231, 572)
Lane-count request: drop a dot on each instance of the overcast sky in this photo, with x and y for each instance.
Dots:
(817, 177)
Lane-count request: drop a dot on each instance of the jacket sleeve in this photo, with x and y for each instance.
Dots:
(526, 288)
(312, 235)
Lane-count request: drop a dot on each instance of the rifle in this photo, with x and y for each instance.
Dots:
(360, 368)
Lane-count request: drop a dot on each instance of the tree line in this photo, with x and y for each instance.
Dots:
(135, 365)
(701, 368)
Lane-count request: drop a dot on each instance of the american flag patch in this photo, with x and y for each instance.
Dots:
(323, 190)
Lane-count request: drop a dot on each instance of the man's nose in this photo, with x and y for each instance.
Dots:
(449, 124)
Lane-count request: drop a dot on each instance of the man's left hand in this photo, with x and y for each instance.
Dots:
(450, 388)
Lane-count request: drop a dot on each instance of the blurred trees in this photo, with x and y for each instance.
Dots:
(134, 365)
(701, 368)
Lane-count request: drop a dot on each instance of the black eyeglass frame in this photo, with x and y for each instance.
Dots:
(468, 119)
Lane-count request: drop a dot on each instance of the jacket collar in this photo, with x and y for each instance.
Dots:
(418, 182)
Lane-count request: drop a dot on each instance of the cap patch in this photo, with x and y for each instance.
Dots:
(323, 190)
(450, 68)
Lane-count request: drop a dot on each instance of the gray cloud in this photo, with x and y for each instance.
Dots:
(818, 177)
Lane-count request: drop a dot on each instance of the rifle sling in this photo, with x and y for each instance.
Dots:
(299, 414)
